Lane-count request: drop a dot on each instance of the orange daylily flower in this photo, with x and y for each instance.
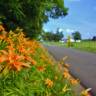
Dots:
(9, 41)
(18, 65)
(13, 60)
(48, 82)
(74, 81)
(17, 57)
(41, 68)
(22, 49)
(2, 59)
(2, 37)
(66, 75)
(11, 56)
(11, 47)
(33, 62)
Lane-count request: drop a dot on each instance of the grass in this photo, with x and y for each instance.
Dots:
(89, 46)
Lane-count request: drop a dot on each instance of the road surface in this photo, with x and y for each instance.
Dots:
(82, 64)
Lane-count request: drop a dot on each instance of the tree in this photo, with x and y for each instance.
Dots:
(76, 36)
(30, 14)
(49, 36)
(58, 35)
(94, 38)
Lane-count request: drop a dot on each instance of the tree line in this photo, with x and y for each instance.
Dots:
(57, 36)
(50, 36)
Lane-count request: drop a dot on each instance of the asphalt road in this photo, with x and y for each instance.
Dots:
(82, 64)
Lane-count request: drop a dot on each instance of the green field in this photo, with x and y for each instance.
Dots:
(86, 46)
(89, 46)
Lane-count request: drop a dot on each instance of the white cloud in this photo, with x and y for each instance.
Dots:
(69, 30)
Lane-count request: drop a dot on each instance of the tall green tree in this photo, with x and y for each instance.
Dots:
(76, 35)
(30, 14)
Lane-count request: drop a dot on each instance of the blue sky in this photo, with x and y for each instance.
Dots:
(81, 17)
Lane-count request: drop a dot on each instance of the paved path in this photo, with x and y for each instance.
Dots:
(82, 64)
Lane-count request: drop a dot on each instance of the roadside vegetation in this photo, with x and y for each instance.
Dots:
(26, 69)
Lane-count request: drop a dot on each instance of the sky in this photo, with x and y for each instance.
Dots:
(81, 17)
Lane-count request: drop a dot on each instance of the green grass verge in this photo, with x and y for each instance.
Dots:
(89, 46)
